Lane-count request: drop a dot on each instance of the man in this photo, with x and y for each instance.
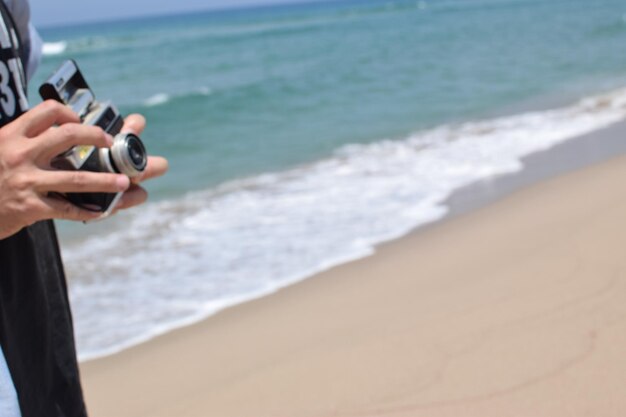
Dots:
(38, 369)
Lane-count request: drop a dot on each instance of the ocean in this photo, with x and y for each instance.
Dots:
(299, 137)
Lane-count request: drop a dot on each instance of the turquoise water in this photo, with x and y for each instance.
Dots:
(301, 136)
(260, 90)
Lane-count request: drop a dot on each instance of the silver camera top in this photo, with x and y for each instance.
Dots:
(68, 86)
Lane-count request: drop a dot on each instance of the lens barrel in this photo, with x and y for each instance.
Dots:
(128, 155)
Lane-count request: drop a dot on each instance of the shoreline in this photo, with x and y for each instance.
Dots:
(318, 347)
(316, 213)
(575, 154)
(537, 166)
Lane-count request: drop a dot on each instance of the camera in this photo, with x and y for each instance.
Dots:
(127, 155)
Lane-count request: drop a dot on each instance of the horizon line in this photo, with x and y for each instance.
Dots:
(216, 9)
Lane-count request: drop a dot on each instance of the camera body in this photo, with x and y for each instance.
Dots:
(127, 155)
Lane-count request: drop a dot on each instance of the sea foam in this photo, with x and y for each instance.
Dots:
(182, 260)
(54, 48)
(160, 99)
(157, 100)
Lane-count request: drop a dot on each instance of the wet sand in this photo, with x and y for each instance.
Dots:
(513, 306)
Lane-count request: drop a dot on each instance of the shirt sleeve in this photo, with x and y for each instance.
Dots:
(35, 51)
(32, 43)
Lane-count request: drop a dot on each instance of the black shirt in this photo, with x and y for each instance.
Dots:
(36, 331)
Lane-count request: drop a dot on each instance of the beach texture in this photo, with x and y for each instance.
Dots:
(514, 309)
(302, 136)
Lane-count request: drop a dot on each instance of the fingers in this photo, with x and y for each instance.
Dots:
(57, 140)
(135, 196)
(55, 208)
(156, 167)
(134, 123)
(41, 117)
(81, 182)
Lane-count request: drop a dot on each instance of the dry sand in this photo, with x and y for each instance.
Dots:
(515, 309)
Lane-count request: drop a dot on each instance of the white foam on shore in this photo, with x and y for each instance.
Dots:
(177, 262)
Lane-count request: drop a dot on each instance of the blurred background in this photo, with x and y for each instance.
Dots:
(300, 135)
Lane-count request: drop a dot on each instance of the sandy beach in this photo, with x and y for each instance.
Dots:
(517, 308)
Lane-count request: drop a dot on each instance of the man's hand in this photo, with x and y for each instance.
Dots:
(27, 145)
(156, 167)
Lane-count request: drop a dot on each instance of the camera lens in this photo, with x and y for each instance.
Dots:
(128, 155)
(137, 152)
